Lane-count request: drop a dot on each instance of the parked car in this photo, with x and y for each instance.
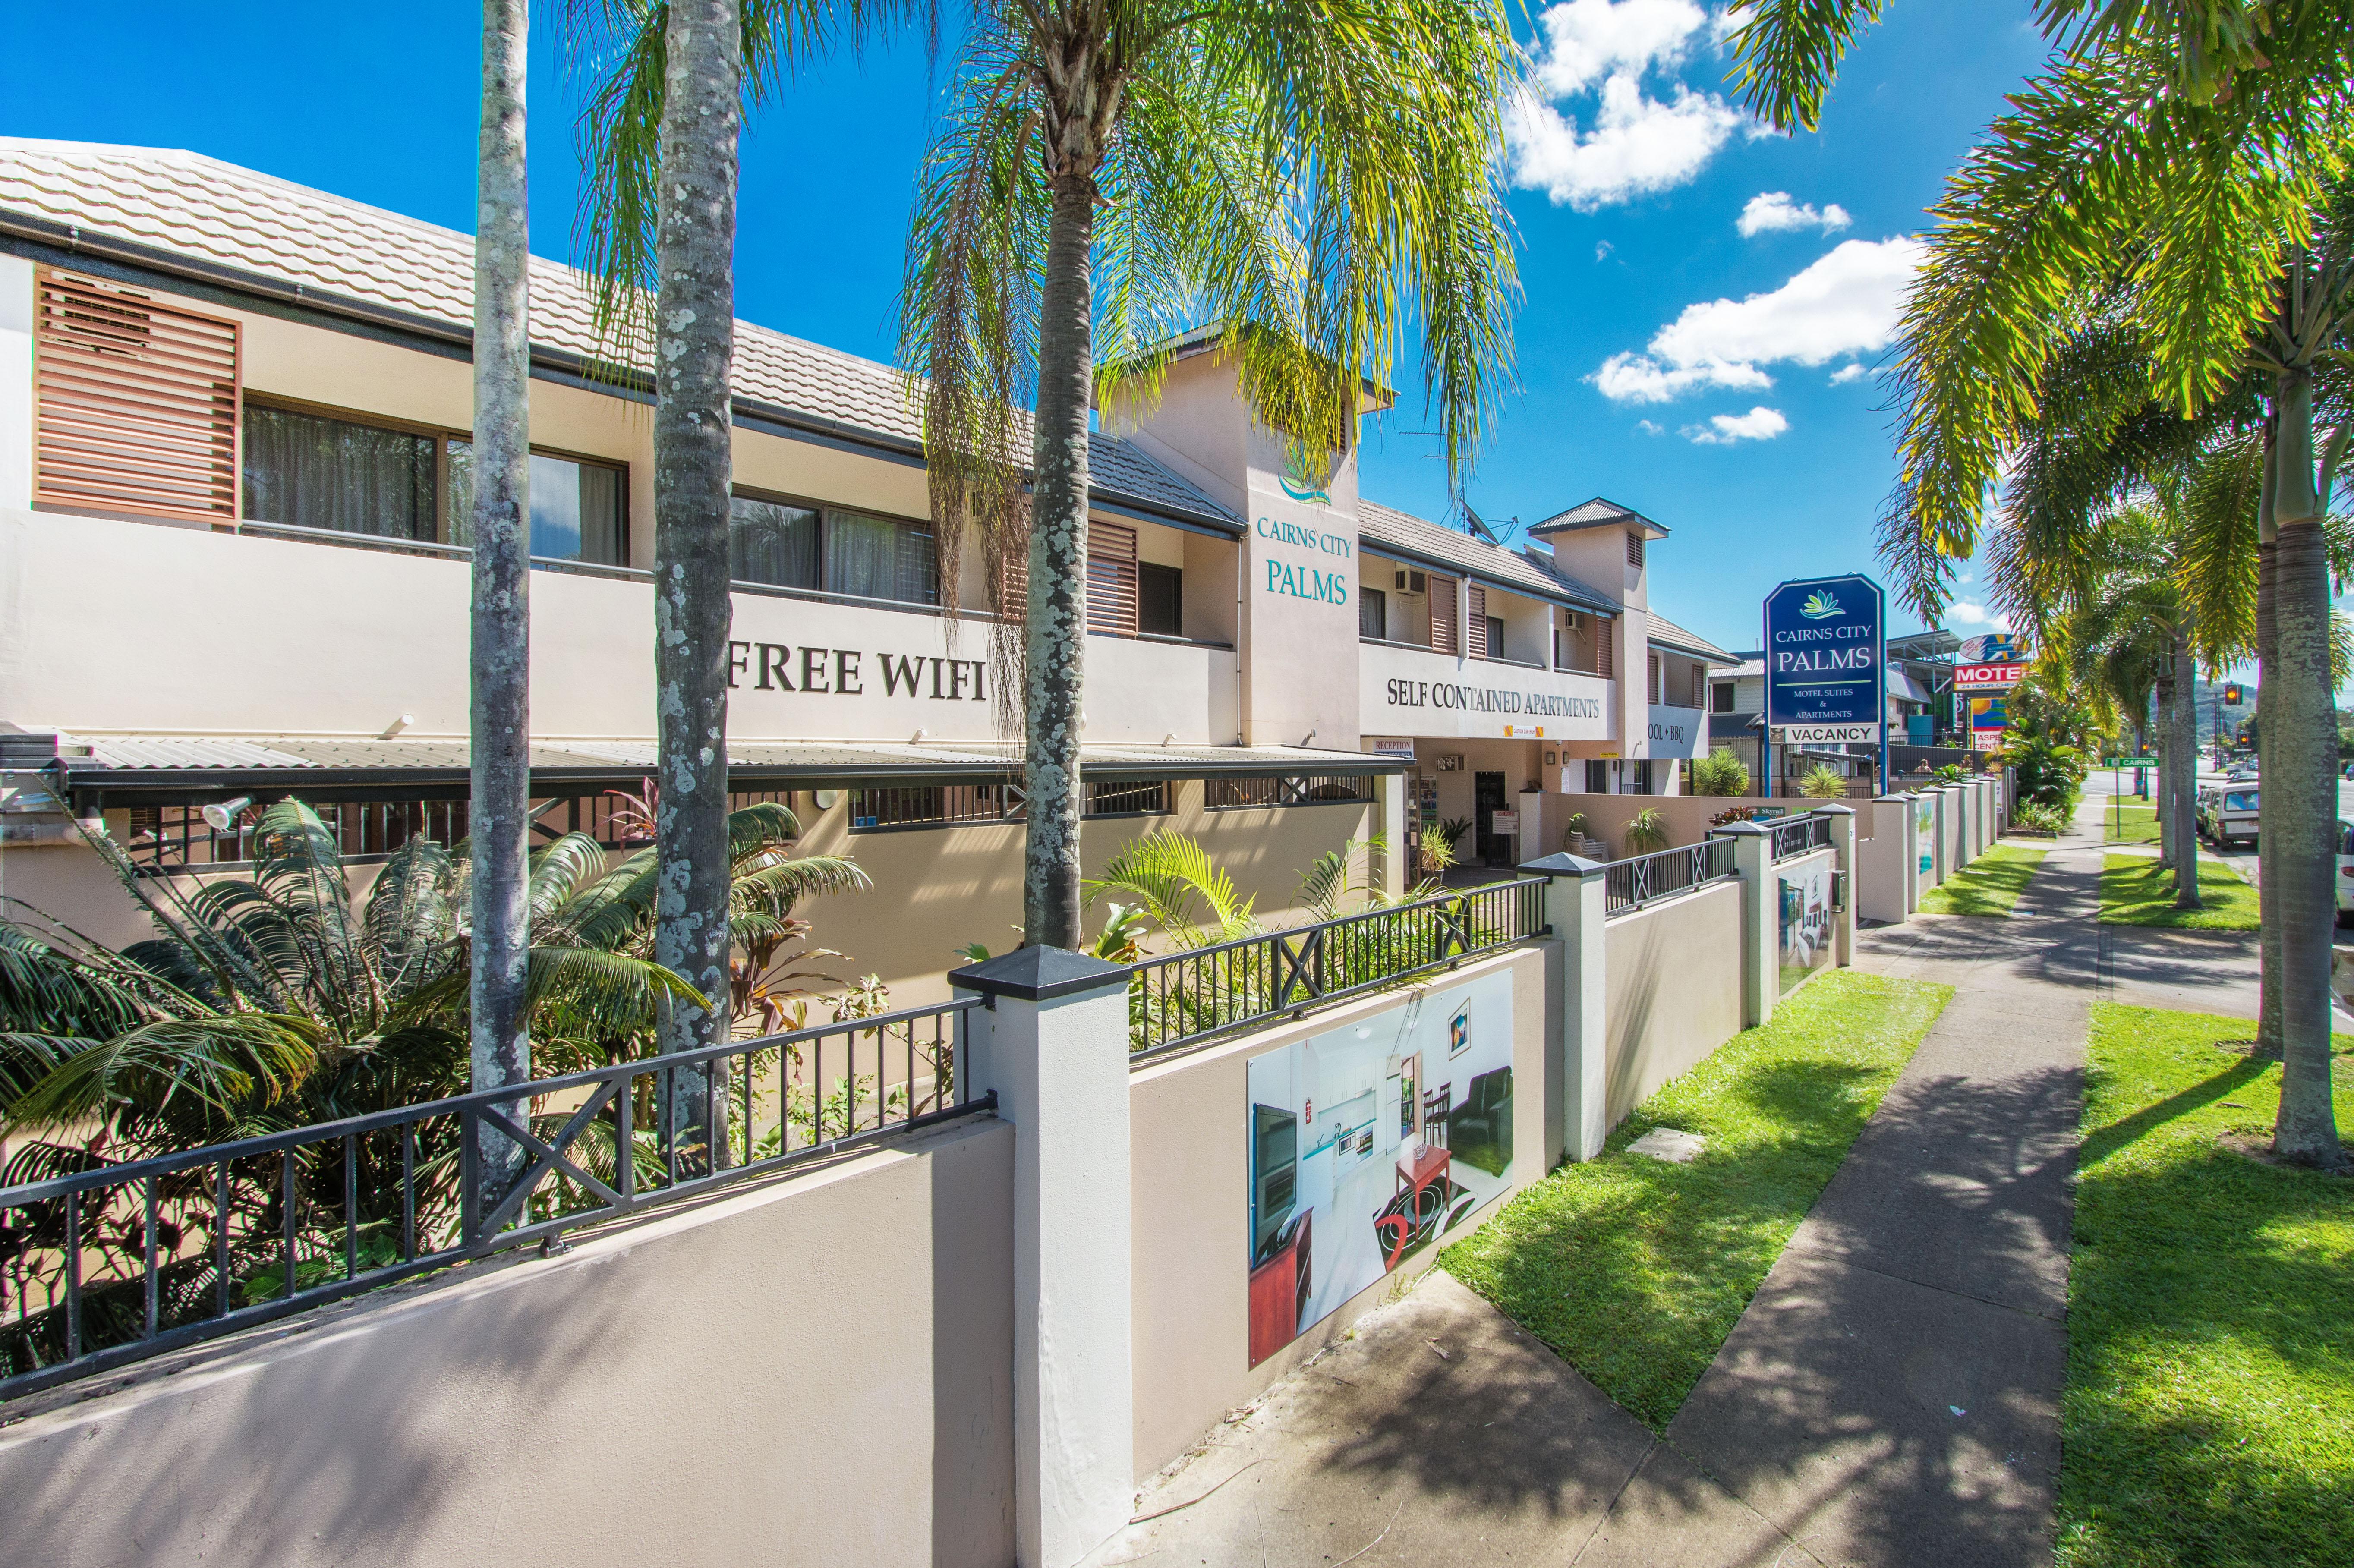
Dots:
(2227, 816)
(2345, 867)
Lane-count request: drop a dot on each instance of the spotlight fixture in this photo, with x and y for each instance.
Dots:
(221, 815)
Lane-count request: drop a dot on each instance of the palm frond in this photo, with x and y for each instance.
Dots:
(223, 1064)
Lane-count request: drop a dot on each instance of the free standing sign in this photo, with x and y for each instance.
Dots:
(1824, 656)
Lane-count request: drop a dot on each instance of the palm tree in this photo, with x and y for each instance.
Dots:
(500, 705)
(2171, 148)
(1113, 171)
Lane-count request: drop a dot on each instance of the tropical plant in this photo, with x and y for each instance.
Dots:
(1107, 176)
(1720, 773)
(1340, 878)
(2181, 157)
(1647, 832)
(1435, 854)
(1180, 889)
(499, 626)
(1951, 773)
(2041, 816)
(2049, 774)
(1823, 782)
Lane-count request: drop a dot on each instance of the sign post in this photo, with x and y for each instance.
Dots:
(1826, 664)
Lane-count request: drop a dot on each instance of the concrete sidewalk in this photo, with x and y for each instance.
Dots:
(1891, 1396)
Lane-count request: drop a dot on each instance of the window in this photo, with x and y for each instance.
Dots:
(312, 470)
(934, 805)
(1634, 548)
(1495, 637)
(577, 506)
(1240, 794)
(880, 557)
(1159, 600)
(1128, 798)
(772, 542)
(1722, 694)
(1112, 578)
(1597, 778)
(786, 543)
(1373, 614)
(1642, 777)
(135, 403)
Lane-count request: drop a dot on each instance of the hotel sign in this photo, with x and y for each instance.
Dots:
(1987, 677)
(1824, 660)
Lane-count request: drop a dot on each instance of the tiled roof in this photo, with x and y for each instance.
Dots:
(1668, 634)
(1594, 513)
(1530, 572)
(224, 217)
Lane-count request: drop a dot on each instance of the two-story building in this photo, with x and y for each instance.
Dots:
(234, 488)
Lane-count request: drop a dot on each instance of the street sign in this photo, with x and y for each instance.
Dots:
(1824, 659)
(1984, 677)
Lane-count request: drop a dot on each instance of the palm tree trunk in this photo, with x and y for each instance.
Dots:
(2163, 803)
(2299, 800)
(694, 308)
(2268, 932)
(1054, 633)
(498, 820)
(2182, 762)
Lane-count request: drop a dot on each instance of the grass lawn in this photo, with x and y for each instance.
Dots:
(2210, 1411)
(1989, 884)
(1635, 1269)
(2129, 824)
(2135, 891)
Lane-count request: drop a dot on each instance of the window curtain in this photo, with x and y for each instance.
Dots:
(771, 543)
(576, 507)
(311, 471)
(874, 558)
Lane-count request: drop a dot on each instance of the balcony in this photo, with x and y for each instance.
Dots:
(1406, 689)
(163, 630)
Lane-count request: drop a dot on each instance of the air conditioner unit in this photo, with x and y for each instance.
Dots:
(1573, 619)
(1411, 582)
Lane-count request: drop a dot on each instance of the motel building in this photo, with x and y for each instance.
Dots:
(234, 487)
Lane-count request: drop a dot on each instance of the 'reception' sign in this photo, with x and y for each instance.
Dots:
(1824, 658)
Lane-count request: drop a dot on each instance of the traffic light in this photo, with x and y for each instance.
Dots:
(2232, 695)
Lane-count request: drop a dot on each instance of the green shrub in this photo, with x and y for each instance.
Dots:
(2038, 816)
(1647, 832)
(1720, 773)
(1823, 782)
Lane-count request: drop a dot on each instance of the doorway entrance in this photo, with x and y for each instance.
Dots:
(1492, 847)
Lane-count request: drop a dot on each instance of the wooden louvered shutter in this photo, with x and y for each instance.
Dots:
(1651, 674)
(137, 403)
(1112, 578)
(1700, 686)
(1604, 632)
(1478, 619)
(1442, 614)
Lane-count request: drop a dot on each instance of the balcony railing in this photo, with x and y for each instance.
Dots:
(1189, 997)
(110, 1265)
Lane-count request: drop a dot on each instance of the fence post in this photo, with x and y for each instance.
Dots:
(1753, 857)
(1389, 805)
(1574, 908)
(1052, 1040)
(1843, 918)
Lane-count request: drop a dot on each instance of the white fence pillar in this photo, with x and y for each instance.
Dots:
(1575, 909)
(1753, 857)
(1843, 917)
(1052, 1041)
(1389, 804)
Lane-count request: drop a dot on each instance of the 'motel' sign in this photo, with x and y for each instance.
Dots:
(1823, 658)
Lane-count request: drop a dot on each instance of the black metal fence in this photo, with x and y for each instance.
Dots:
(109, 1264)
(1187, 997)
(1629, 885)
(1799, 835)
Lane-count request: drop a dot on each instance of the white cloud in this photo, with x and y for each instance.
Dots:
(1845, 374)
(1963, 612)
(1773, 212)
(1846, 302)
(1601, 249)
(1632, 143)
(1648, 429)
(1760, 424)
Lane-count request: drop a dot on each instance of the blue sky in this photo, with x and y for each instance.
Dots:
(1666, 358)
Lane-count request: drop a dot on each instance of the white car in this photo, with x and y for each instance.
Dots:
(2227, 816)
(2345, 866)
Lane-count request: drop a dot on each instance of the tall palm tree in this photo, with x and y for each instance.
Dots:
(2169, 147)
(500, 707)
(1113, 171)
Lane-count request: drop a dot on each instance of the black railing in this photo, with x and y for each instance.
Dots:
(109, 1264)
(1184, 998)
(1629, 885)
(1799, 835)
